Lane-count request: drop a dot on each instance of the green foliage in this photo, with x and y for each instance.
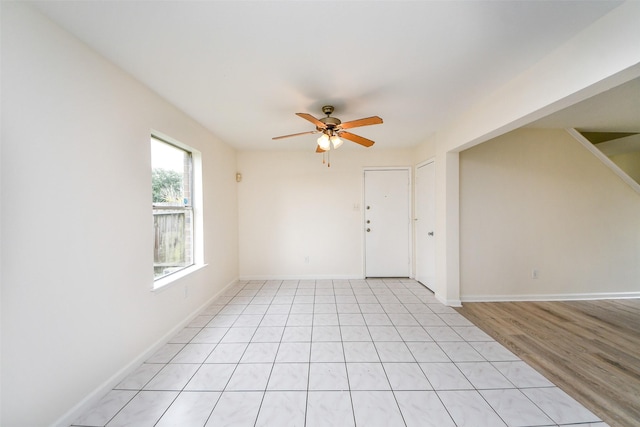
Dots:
(167, 186)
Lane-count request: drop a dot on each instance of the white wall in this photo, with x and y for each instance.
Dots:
(602, 56)
(1, 239)
(76, 220)
(537, 199)
(291, 206)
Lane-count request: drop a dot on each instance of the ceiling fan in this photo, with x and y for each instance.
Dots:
(333, 130)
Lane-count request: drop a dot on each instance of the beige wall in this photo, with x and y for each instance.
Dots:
(630, 163)
(537, 199)
(291, 206)
(425, 151)
(77, 230)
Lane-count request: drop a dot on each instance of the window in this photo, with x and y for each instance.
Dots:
(173, 216)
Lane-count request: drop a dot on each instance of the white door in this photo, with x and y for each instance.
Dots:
(425, 225)
(387, 223)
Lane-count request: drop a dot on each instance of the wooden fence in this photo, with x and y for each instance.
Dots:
(172, 242)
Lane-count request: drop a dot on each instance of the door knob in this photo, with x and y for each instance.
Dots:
(430, 233)
(368, 230)
(368, 221)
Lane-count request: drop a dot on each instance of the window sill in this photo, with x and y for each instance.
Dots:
(165, 282)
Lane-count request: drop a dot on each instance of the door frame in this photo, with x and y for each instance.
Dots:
(415, 211)
(363, 220)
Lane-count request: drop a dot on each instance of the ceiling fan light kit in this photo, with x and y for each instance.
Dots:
(335, 141)
(324, 143)
(333, 130)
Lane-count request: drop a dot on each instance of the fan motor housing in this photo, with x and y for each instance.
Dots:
(331, 122)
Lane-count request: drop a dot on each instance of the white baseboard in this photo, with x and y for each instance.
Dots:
(93, 397)
(304, 277)
(449, 302)
(550, 297)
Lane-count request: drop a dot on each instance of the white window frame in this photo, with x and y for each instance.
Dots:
(197, 215)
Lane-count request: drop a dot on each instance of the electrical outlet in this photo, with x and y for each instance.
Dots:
(534, 273)
(306, 259)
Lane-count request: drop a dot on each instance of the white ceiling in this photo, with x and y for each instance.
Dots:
(242, 69)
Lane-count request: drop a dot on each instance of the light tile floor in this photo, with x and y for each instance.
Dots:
(334, 353)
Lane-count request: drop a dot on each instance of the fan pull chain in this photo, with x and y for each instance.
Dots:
(329, 158)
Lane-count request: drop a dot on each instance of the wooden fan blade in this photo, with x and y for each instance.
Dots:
(319, 150)
(294, 134)
(312, 119)
(356, 138)
(375, 120)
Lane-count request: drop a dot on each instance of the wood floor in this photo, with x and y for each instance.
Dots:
(590, 349)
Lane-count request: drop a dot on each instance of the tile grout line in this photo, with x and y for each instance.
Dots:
(393, 393)
(266, 386)
(224, 389)
(306, 409)
(380, 359)
(353, 407)
(234, 369)
(417, 363)
(434, 390)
